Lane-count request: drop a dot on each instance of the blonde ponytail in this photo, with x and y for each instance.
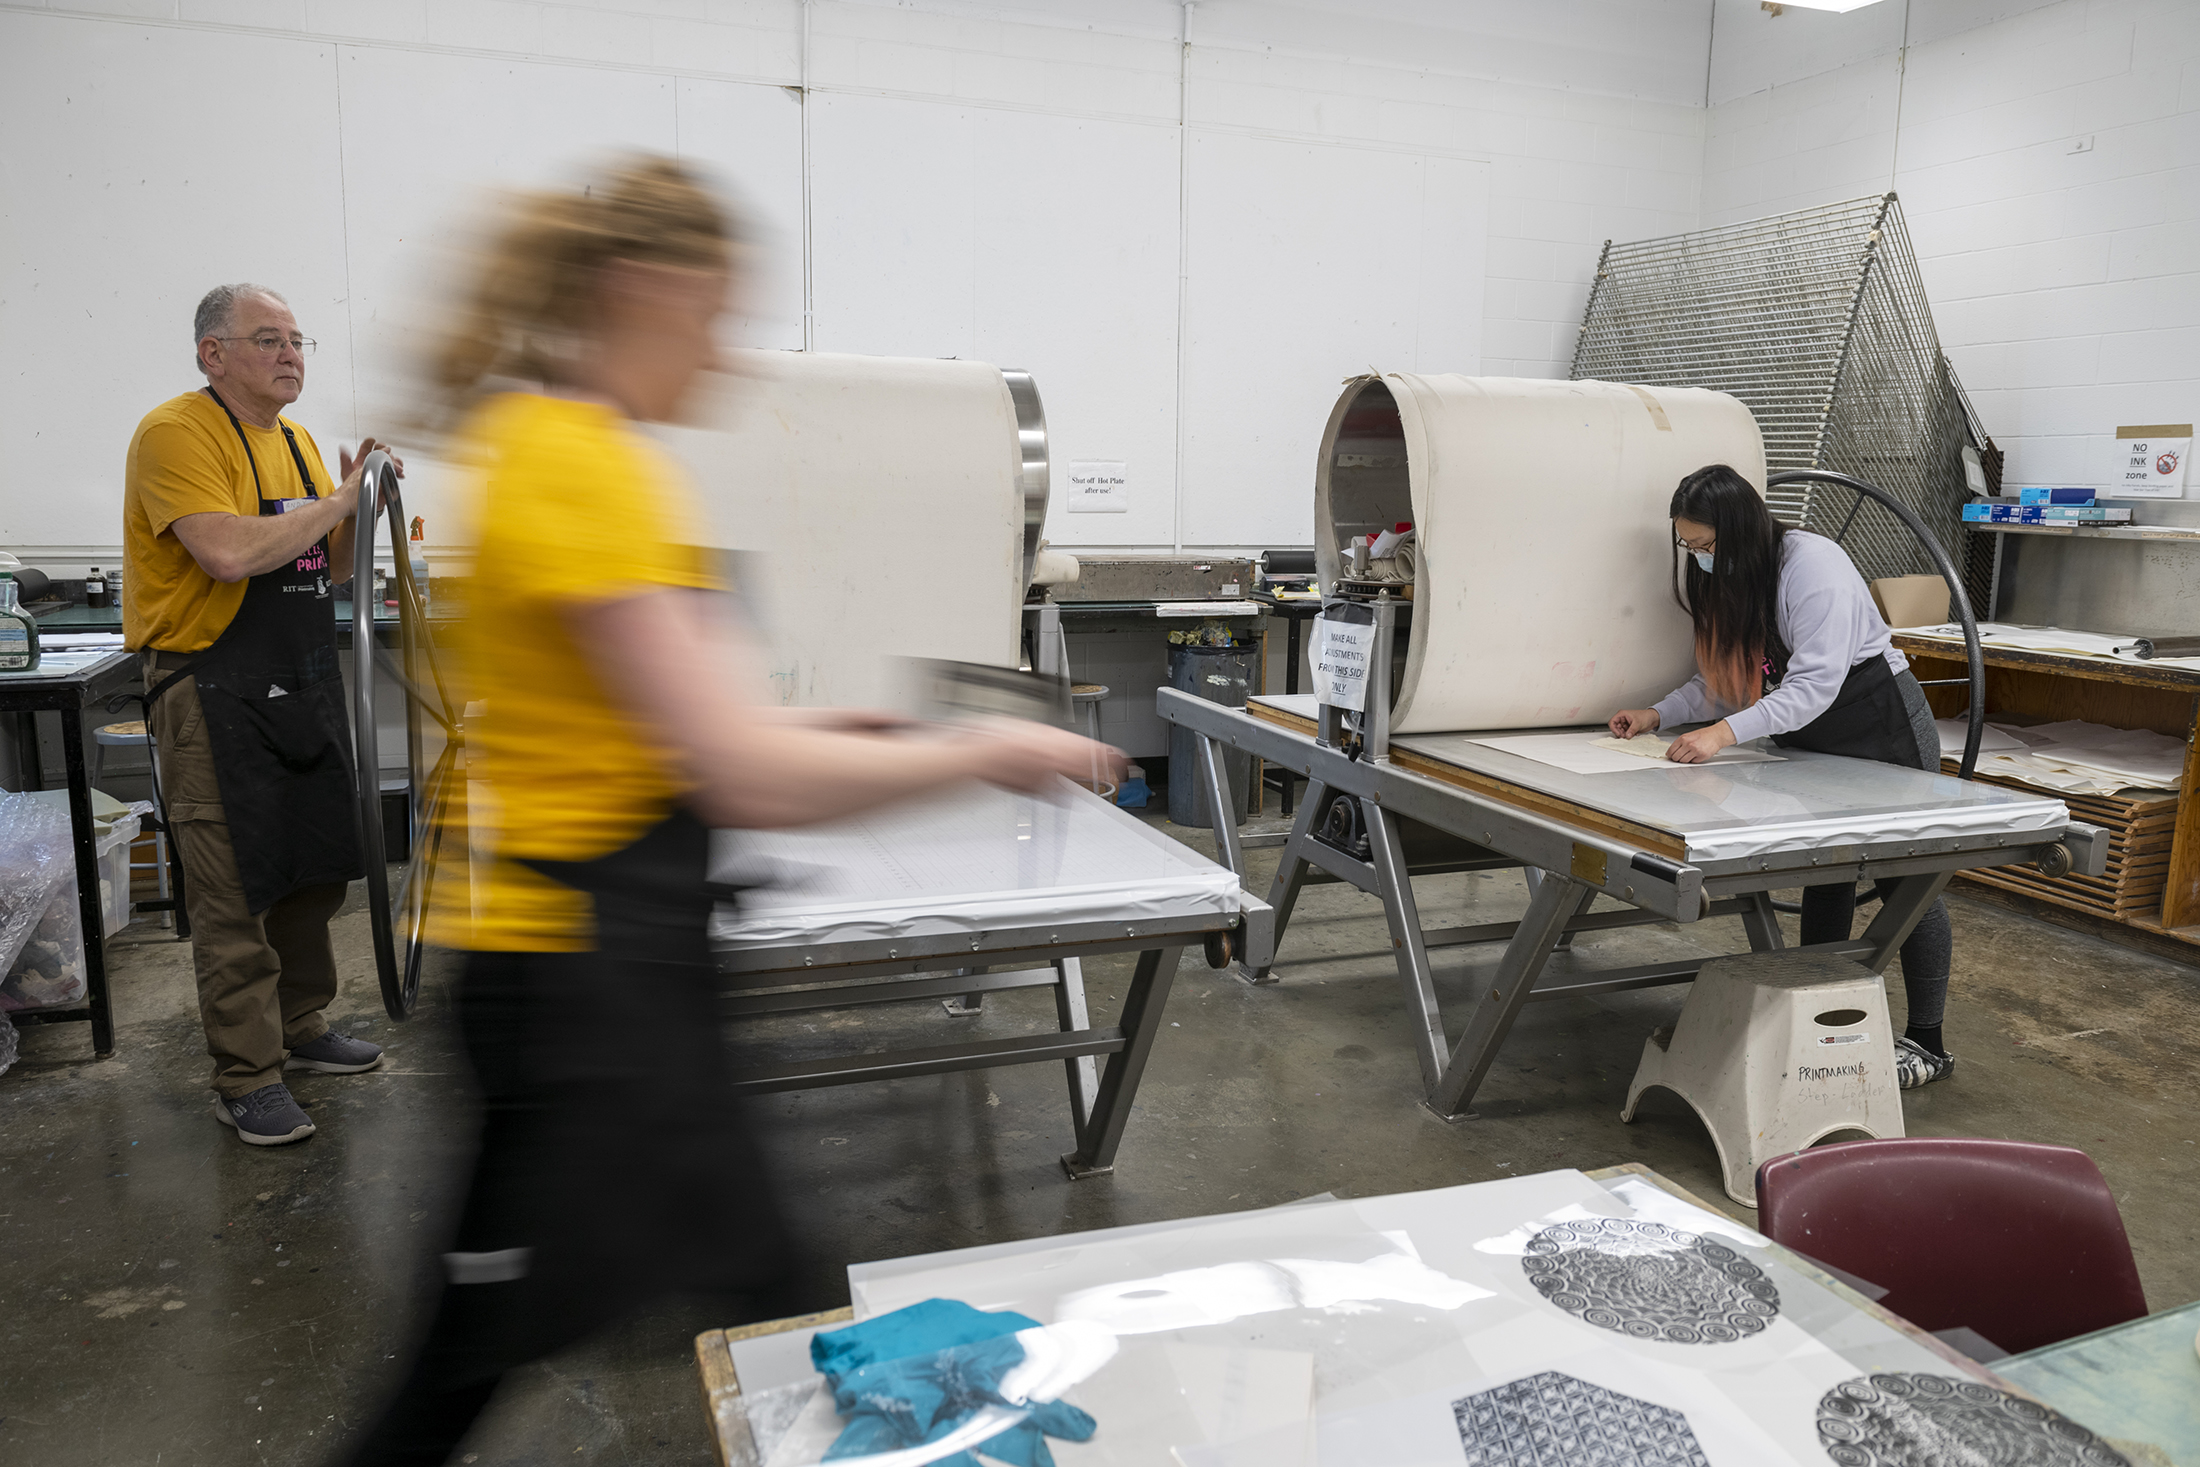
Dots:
(530, 297)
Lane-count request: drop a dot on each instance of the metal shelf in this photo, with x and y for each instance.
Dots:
(2187, 533)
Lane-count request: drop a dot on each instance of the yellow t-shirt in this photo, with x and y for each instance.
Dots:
(566, 505)
(185, 459)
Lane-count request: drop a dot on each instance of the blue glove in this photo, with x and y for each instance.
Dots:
(891, 1402)
(917, 1330)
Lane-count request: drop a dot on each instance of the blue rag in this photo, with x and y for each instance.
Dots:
(913, 1376)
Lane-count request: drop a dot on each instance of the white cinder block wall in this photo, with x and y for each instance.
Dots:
(2048, 161)
(1190, 221)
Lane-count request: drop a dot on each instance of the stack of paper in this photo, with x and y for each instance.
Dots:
(2073, 757)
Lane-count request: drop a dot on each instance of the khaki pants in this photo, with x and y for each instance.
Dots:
(263, 980)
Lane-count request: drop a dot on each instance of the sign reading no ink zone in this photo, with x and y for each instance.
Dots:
(1099, 488)
(2150, 462)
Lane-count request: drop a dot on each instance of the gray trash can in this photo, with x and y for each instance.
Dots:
(1220, 675)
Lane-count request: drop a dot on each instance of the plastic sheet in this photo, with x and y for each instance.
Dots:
(976, 859)
(41, 929)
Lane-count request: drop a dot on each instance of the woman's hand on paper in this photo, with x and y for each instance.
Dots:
(1628, 722)
(1696, 747)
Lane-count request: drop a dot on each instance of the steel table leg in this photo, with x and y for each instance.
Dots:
(1899, 913)
(1283, 892)
(1220, 808)
(1406, 940)
(965, 1005)
(1533, 876)
(1290, 686)
(1497, 999)
(86, 842)
(1084, 1071)
(1111, 1107)
(1762, 923)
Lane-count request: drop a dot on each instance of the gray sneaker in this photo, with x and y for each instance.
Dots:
(335, 1054)
(265, 1117)
(1915, 1065)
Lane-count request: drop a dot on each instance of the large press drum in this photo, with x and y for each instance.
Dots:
(891, 508)
(1543, 590)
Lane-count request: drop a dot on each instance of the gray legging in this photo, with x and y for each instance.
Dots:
(1829, 912)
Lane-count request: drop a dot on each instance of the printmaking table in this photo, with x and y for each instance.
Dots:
(1526, 1322)
(67, 683)
(1672, 842)
(972, 892)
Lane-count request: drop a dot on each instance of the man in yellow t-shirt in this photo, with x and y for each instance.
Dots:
(234, 533)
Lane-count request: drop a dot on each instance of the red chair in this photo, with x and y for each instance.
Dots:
(2021, 1243)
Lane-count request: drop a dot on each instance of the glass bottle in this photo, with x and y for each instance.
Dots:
(95, 590)
(18, 631)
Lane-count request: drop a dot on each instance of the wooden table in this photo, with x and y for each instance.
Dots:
(2045, 687)
(721, 1385)
(2138, 1381)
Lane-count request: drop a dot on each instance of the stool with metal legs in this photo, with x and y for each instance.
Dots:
(1089, 696)
(134, 735)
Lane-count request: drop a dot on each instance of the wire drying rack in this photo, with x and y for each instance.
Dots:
(1817, 320)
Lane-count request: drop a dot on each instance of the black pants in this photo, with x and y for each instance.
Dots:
(614, 1168)
(1829, 915)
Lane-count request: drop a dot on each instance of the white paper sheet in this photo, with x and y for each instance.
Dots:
(2074, 757)
(1587, 752)
(2048, 639)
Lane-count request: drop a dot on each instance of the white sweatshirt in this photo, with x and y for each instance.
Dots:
(1829, 623)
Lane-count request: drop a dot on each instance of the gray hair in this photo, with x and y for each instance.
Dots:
(218, 312)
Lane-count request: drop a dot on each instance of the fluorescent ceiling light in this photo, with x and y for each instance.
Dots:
(1840, 6)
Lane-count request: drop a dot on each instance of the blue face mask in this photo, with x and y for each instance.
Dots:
(1704, 559)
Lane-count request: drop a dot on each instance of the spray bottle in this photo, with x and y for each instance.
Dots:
(18, 630)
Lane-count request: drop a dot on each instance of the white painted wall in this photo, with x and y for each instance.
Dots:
(1189, 222)
(2065, 283)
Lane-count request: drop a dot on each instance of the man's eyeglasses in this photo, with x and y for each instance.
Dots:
(269, 343)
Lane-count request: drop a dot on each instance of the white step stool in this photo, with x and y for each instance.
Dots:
(1776, 1051)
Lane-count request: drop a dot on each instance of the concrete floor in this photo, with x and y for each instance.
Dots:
(173, 1297)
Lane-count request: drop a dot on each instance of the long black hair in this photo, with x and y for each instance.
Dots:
(1735, 605)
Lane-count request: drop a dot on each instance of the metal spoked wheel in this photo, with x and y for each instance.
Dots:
(1957, 598)
(399, 917)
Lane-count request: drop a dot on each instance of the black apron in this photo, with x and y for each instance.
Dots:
(1868, 719)
(273, 702)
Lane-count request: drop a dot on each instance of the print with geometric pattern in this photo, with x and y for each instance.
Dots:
(1899, 1419)
(1650, 1282)
(1554, 1420)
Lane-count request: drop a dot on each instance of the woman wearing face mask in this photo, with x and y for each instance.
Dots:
(1790, 645)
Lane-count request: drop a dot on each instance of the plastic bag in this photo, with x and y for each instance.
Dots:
(41, 930)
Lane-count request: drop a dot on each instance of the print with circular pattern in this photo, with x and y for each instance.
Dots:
(1650, 1282)
(1895, 1419)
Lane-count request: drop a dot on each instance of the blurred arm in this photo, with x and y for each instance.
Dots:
(660, 656)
